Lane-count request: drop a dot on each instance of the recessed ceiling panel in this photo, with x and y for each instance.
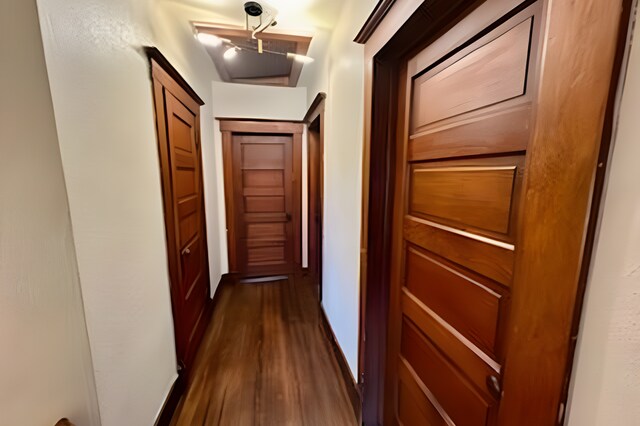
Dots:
(271, 67)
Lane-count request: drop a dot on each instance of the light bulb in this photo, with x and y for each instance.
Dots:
(300, 58)
(230, 53)
(209, 39)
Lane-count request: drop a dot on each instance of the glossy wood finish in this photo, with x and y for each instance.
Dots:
(266, 361)
(315, 139)
(262, 162)
(481, 257)
(497, 67)
(177, 113)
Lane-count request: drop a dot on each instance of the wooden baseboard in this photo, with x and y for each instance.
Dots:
(172, 401)
(180, 385)
(350, 384)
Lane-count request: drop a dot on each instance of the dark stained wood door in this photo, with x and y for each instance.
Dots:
(263, 195)
(462, 165)
(178, 116)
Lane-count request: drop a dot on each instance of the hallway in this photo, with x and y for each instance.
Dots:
(265, 360)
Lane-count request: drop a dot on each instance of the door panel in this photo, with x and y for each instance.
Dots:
(263, 194)
(177, 110)
(465, 160)
(184, 157)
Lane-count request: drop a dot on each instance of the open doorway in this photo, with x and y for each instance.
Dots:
(315, 133)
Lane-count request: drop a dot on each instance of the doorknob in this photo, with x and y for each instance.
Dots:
(493, 384)
(186, 251)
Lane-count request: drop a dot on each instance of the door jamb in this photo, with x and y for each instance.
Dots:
(316, 114)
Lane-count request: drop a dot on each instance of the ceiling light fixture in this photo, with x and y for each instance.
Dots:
(209, 39)
(300, 58)
(231, 53)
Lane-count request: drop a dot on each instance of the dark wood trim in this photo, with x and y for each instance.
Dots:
(372, 22)
(228, 128)
(172, 401)
(260, 120)
(608, 135)
(153, 54)
(315, 214)
(349, 382)
(315, 108)
(261, 126)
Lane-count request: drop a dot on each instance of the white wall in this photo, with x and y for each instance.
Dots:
(45, 361)
(606, 383)
(341, 75)
(103, 106)
(250, 101)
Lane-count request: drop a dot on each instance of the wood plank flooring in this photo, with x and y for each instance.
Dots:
(265, 361)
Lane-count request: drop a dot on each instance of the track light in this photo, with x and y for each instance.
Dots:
(231, 53)
(300, 58)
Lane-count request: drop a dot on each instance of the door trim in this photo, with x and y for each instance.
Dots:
(399, 36)
(257, 126)
(314, 115)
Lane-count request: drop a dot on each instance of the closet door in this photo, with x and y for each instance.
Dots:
(178, 117)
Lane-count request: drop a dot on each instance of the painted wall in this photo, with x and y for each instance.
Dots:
(250, 101)
(340, 73)
(45, 360)
(103, 107)
(606, 383)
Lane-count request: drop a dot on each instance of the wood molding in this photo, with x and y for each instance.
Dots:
(172, 401)
(349, 382)
(372, 22)
(260, 126)
(315, 108)
(154, 54)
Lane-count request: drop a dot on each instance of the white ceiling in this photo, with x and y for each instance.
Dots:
(303, 15)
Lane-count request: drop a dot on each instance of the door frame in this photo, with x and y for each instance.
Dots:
(164, 76)
(394, 32)
(316, 114)
(231, 126)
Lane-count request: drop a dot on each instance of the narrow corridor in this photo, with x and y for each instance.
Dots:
(265, 360)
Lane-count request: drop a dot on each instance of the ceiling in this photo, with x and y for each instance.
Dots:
(272, 66)
(309, 18)
(292, 14)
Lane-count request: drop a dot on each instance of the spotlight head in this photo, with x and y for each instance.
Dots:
(253, 8)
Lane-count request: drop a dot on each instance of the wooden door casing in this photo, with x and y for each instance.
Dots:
(262, 162)
(472, 172)
(315, 132)
(177, 110)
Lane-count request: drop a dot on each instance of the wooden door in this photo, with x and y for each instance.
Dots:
(178, 117)
(263, 169)
(262, 165)
(461, 167)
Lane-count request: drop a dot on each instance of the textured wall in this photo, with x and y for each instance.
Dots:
(103, 106)
(45, 361)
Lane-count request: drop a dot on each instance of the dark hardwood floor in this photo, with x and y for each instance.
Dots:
(265, 361)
